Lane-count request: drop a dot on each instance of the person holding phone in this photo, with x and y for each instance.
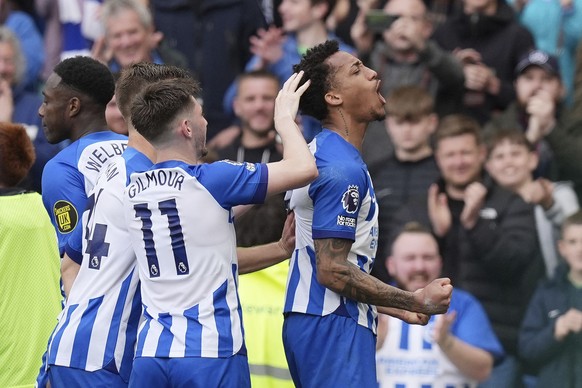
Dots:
(396, 40)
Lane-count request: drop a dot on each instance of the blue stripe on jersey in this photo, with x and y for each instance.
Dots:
(193, 332)
(370, 317)
(362, 260)
(143, 332)
(57, 339)
(426, 386)
(130, 336)
(400, 386)
(426, 345)
(81, 341)
(293, 283)
(370, 215)
(222, 319)
(166, 337)
(116, 320)
(316, 291)
(259, 196)
(239, 308)
(404, 337)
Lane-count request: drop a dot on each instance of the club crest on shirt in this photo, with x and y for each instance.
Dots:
(351, 199)
(66, 216)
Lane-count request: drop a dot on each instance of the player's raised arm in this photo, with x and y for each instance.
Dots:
(298, 165)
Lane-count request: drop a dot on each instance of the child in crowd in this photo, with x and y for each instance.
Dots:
(511, 162)
(551, 333)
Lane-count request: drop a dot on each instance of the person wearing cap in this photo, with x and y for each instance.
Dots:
(538, 111)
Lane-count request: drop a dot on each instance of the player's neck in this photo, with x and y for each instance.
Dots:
(342, 124)
(181, 154)
(86, 125)
(138, 142)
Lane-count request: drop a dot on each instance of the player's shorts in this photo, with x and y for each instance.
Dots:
(329, 351)
(61, 376)
(195, 372)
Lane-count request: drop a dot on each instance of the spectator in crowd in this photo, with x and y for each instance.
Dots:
(454, 350)
(404, 54)
(29, 265)
(75, 97)
(538, 111)
(20, 106)
(214, 36)
(556, 27)
(551, 333)
(254, 106)
(130, 37)
(48, 11)
(488, 41)
(410, 169)
(277, 50)
(511, 163)
(23, 26)
(329, 287)
(486, 234)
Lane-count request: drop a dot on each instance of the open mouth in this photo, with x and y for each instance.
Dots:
(380, 96)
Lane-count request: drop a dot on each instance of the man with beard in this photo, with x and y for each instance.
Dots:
(453, 350)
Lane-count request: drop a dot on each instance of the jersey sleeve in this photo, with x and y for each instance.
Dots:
(74, 245)
(472, 325)
(336, 196)
(232, 183)
(64, 197)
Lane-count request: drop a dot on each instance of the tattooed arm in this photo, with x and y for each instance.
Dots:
(335, 272)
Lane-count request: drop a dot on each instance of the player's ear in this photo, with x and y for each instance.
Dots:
(185, 129)
(333, 99)
(74, 106)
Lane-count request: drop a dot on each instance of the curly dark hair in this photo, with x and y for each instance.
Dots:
(16, 154)
(87, 76)
(136, 77)
(320, 73)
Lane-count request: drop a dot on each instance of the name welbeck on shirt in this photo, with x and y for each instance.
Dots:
(171, 178)
(103, 153)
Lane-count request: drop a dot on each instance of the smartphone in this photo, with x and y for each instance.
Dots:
(378, 21)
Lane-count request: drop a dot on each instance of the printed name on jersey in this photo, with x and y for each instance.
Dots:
(102, 154)
(351, 199)
(171, 178)
(66, 216)
(346, 221)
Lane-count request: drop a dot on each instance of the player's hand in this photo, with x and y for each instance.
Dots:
(474, 199)
(287, 241)
(438, 211)
(287, 102)
(435, 298)
(414, 318)
(571, 322)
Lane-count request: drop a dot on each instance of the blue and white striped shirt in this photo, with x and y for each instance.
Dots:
(181, 228)
(340, 203)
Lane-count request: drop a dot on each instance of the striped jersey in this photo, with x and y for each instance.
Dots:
(98, 326)
(71, 174)
(409, 358)
(181, 226)
(341, 204)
